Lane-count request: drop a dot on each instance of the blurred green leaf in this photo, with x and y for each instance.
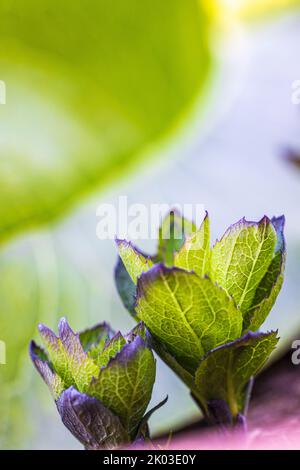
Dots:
(89, 87)
(20, 307)
(37, 284)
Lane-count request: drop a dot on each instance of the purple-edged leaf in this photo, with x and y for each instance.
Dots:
(219, 413)
(241, 259)
(41, 362)
(270, 286)
(224, 372)
(195, 253)
(56, 354)
(125, 287)
(93, 339)
(111, 349)
(68, 357)
(138, 330)
(94, 425)
(172, 232)
(134, 260)
(188, 314)
(114, 346)
(125, 385)
(279, 224)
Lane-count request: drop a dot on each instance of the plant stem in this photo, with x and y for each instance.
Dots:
(231, 392)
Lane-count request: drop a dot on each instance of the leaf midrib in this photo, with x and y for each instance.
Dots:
(182, 313)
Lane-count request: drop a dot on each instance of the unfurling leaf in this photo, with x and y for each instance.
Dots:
(194, 255)
(136, 263)
(102, 382)
(68, 357)
(125, 385)
(203, 304)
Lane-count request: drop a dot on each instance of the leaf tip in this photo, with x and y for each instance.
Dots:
(46, 333)
(64, 328)
(264, 220)
(32, 350)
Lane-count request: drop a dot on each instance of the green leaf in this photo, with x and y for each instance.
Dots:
(118, 78)
(127, 291)
(41, 362)
(171, 362)
(135, 262)
(125, 385)
(225, 372)
(270, 286)
(189, 314)
(69, 360)
(241, 259)
(258, 314)
(125, 286)
(95, 338)
(111, 349)
(138, 330)
(194, 255)
(172, 233)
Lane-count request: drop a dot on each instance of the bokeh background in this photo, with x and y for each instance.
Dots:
(170, 101)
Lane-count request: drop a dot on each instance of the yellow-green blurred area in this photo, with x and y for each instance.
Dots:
(248, 9)
(89, 87)
(174, 101)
